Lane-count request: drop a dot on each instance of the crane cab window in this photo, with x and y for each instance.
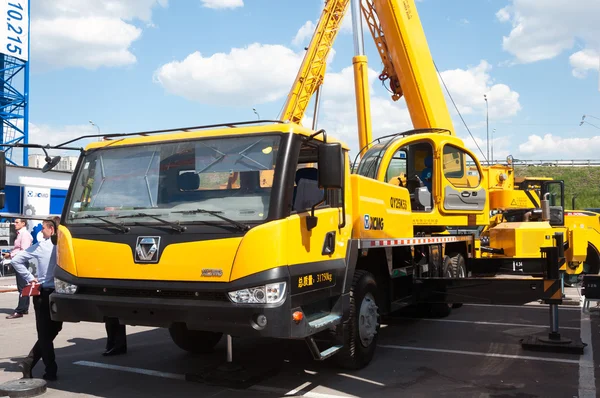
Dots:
(396, 172)
(369, 164)
(459, 168)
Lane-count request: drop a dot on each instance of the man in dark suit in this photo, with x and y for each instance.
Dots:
(116, 341)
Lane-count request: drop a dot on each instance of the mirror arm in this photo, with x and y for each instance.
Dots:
(311, 220)
(343, 224)
(322, 131)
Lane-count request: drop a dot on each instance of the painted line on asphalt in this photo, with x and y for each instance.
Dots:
(362, 379)
(129, 369)
(533, 306)
(495, 323)
(481, 354)
(175, 376)
(587, 383)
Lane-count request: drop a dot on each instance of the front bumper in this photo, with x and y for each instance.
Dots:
(199, 305)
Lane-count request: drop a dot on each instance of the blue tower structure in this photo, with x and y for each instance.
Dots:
(14, 77)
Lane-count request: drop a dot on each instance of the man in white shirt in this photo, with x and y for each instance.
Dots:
(47, 329)
(22, 242)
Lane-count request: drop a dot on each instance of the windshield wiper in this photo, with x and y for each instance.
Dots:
(239, 225)
(120, 227)
(176, 227)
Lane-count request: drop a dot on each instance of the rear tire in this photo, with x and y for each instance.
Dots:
(438, 310)
(362, 328)
(458, 269)
(193, 341)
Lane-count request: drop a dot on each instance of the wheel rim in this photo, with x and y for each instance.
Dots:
(367, 320)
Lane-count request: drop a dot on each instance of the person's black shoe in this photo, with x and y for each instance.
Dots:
(115, 351)
(25, 368)
(49, 377)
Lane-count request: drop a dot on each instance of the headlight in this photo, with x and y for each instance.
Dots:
(270, 294)
(64, 287)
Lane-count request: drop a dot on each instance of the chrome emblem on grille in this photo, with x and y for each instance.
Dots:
(212, 272)
(146, 249)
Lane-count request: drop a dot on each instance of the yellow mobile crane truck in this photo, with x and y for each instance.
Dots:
(155, 233)
(519, 200)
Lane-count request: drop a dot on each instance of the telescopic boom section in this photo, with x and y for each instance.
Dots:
(400, 40)
(312, 71)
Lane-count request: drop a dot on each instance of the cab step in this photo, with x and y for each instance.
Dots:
(316, 351)
(325, 321)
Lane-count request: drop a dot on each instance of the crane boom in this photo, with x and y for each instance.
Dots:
(312, 71)
(400, 39)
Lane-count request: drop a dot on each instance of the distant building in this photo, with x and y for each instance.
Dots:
(67, 163)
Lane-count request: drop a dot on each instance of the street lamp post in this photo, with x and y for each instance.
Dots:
(95, 125)
(487, 123)
(493, 131)
(585, 121)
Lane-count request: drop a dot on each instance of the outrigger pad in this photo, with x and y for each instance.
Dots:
(552, 343)
(232, 375)
(23, 388)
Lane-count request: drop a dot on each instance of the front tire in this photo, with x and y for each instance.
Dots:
(361, 330)
(193, 341)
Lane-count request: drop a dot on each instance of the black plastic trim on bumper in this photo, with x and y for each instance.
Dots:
(197, 313)
(200, 305)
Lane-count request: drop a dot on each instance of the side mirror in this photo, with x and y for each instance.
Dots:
(50, 163)
(331, 175)
(2, 170)
(331, 166)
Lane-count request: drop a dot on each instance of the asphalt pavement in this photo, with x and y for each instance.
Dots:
(475, 352)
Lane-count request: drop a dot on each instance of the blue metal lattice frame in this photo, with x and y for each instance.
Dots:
(14, 101)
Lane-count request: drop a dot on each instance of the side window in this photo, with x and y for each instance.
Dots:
(396, 172)
(306, 188)
(459, 168)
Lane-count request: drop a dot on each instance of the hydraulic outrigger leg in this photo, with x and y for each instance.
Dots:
(555, 256)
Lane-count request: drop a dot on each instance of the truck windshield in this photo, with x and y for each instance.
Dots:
(231, 176)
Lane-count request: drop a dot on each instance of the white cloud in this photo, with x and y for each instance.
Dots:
(304, 33)
(500, 147)
(347, 23)
(74, 33)
(238, 78)
(244, 76)
(338, 109)
(467, 87)
(45, 134)
(583, 61)
(554, 147)
(217, 4)
(503, 15)
(543, 29)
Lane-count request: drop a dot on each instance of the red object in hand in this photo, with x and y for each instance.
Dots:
(33, 289)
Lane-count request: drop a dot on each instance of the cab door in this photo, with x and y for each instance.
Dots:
(462, 182)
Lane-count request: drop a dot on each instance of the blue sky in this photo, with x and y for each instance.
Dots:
(132, 65)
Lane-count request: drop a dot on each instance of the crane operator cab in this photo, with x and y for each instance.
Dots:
(428, 166)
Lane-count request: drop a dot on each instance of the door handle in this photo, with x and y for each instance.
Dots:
(329, 244)
(465, 194)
